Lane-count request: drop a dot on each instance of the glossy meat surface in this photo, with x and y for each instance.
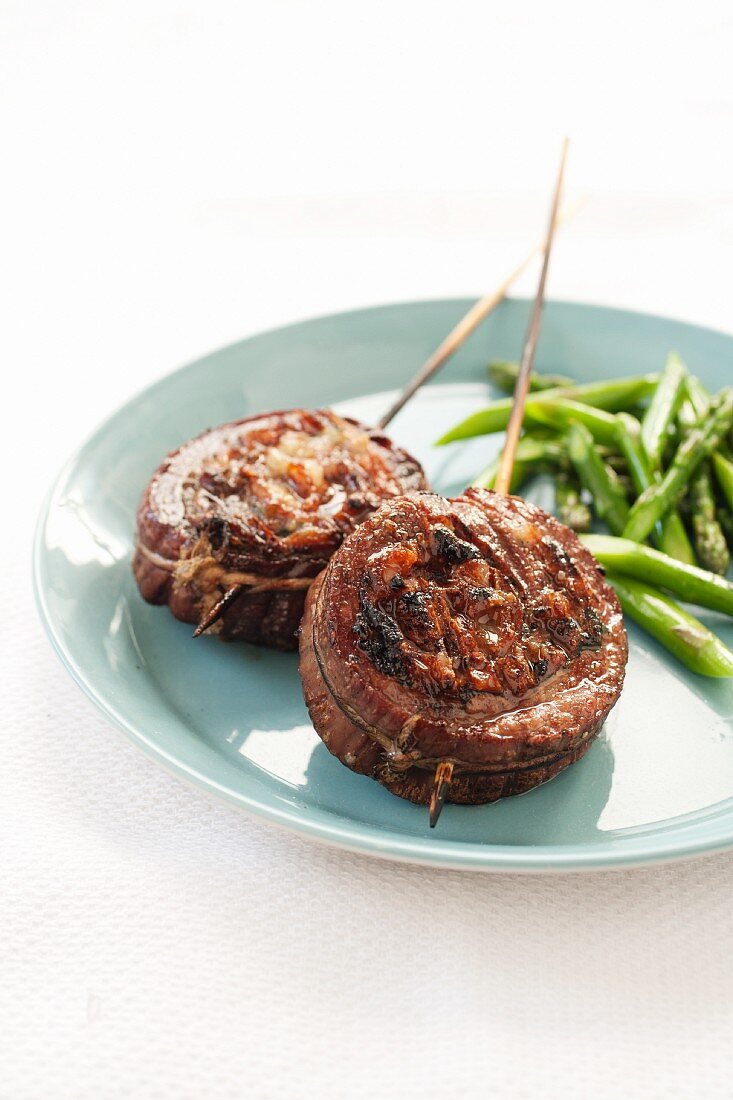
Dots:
(261, 503)
(477, 630)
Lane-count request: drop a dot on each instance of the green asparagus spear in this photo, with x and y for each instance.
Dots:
(570, 508)
(700, 442)
(669, 532)
(559, 412)
(678, 631)
(721, 462)
(687, 582)
(725, 519)
(612, 396)
(665, 402)
(697, 396)
(608, 498)
(723, 468)
(613, 457)
(710, 543)
(504, 376)
(533, 456)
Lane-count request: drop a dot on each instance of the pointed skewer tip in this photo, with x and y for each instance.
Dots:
(439, 793)
(215, 613)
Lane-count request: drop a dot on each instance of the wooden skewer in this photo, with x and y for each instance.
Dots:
(214, 613)
(441, 786)
(252, 583)
(514, 427)
(444, 771)
(475, 315)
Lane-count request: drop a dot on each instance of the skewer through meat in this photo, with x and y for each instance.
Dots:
(235, 524)
(476, 631)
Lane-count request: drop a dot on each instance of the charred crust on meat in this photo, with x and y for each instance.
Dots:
(417, 606)
(592, 636)
(381, 639)
(453, 549)
(560, 554)
(596, 626)
(566, 634)
(561, 628)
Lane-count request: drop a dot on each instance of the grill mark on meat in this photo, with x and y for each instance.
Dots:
(460, 634)
(565, 633)
(381, 639)
(453, 549)
(596, 627)
(499, 552)
(560, 555)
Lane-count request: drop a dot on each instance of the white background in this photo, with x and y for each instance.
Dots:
(176, 176)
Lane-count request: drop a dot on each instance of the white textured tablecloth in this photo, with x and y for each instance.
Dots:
(177, 176)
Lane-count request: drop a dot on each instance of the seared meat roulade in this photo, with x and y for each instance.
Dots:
(240, 519)
(477, 631)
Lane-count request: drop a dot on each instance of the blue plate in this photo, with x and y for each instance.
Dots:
(657, 785)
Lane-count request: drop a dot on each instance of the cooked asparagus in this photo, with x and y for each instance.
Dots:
(668, 532)
(700, 442)
(688, 582)
(612, 396)
(663, 407)
(608, 497)
(504, 376)
(570, 507)
(710, 542)
(678, 631)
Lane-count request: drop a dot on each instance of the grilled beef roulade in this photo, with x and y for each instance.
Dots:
(256, 509)
(477, 631)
